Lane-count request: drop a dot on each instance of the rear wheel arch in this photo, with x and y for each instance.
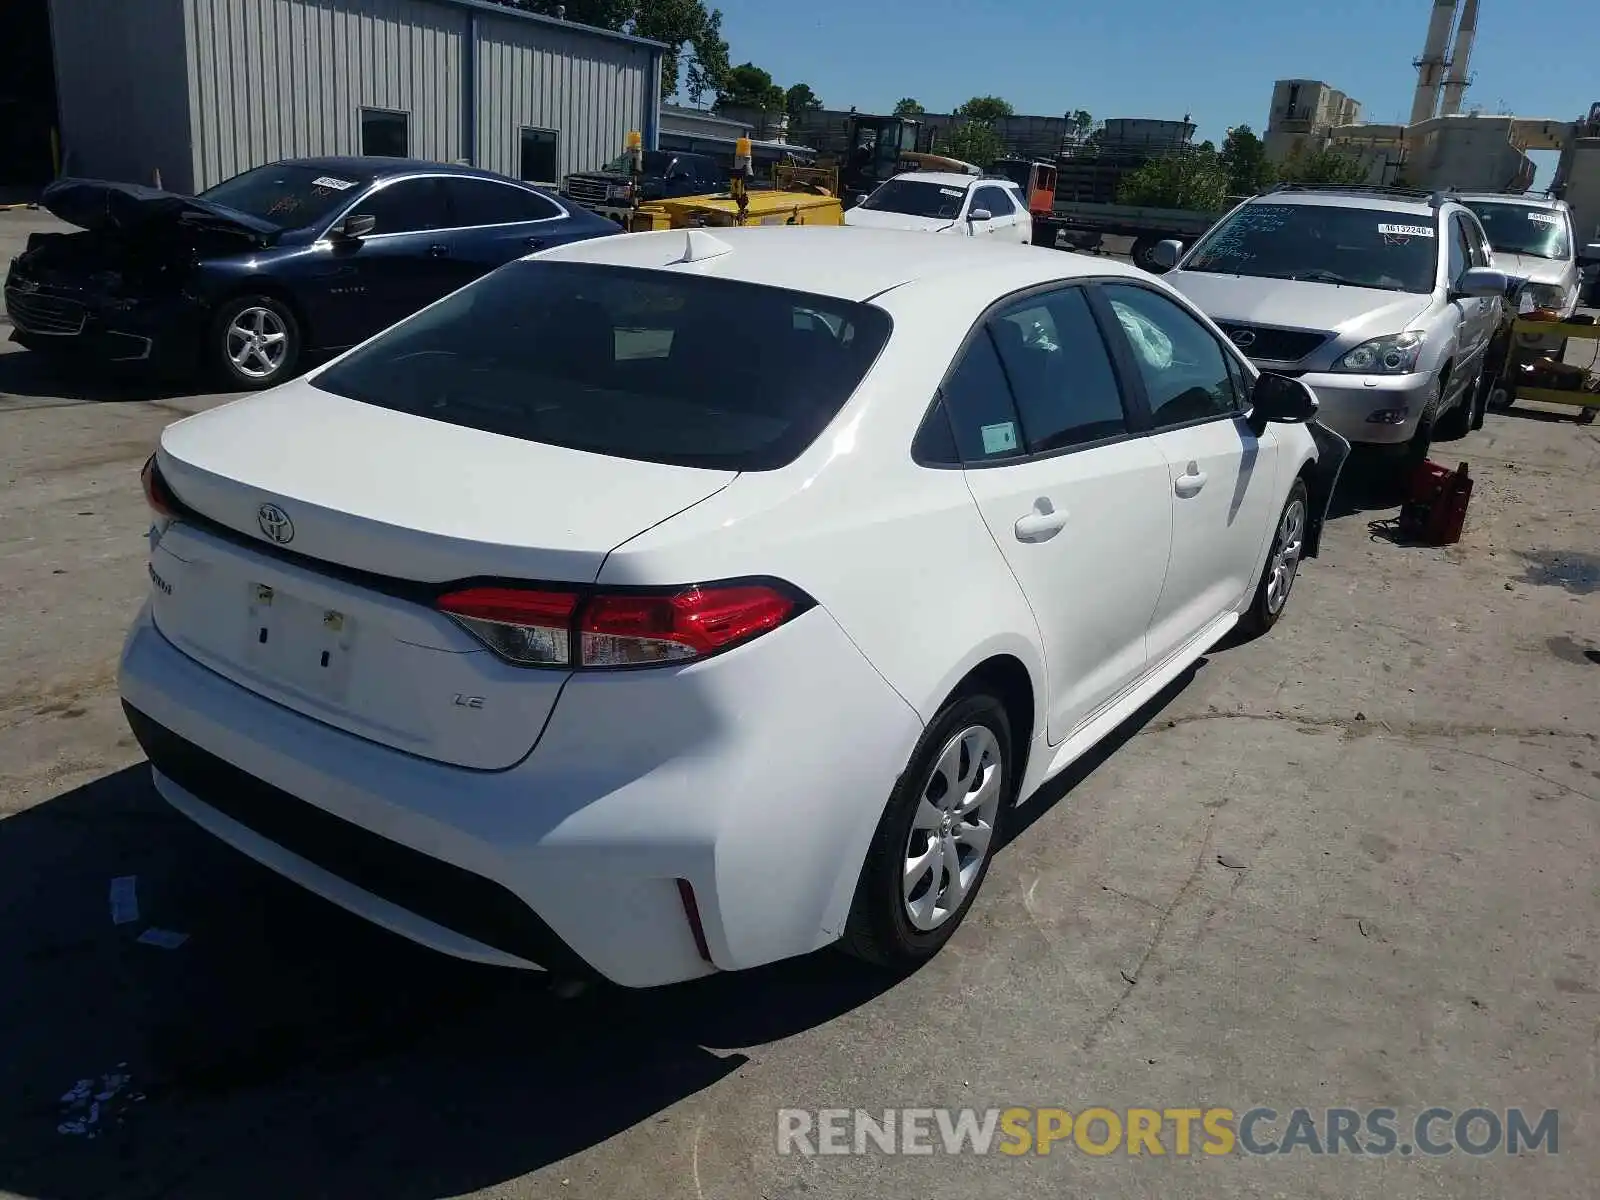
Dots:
(1008, 680)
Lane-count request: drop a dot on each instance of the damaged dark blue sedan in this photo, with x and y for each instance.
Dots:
(296, 259)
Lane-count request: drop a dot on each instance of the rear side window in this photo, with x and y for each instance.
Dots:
(484, 202)
(648, 365)
(978, 402)
(1060, 371)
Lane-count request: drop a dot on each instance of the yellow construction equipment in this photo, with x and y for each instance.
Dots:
(799, 196)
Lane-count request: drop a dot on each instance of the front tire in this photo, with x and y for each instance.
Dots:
(1283, 564)
(932, 848)
(254, 343)
(1458, 422)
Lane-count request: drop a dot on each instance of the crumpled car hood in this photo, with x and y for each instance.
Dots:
(98, 204)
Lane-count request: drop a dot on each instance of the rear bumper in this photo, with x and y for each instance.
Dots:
(757, 776)
(1345, 404)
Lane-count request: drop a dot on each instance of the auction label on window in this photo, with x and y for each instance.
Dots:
(1544, 218)
(951, 191)
(1406, 230)
(328, 181)
(997, 439)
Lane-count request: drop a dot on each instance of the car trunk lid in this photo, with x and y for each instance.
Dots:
(321, 529)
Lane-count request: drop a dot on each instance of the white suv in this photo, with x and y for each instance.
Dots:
(941, 202)
(1384, 301)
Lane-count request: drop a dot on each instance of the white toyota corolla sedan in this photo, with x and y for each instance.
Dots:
(679, 602)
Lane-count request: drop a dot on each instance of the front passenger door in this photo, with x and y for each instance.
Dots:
(1221, 478)
(1000, 211)
(370, 283)
(1077, 505)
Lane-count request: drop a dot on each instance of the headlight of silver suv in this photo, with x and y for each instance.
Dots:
(1396, 354)
(1545, 295)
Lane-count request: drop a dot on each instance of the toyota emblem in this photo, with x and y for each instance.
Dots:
(275, 524)
(1243, 338)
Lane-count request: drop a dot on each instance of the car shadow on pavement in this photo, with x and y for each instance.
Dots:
(286, 1048)
(30, 374)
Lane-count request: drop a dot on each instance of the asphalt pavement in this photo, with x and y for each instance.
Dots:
(1354, 863)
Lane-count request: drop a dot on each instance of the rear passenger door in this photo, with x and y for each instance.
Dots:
(1221, 478)
(1078, 506)
(496, 223)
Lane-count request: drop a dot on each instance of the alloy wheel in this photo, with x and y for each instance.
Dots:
(953, 828)
(257, 342)
(1287, 549)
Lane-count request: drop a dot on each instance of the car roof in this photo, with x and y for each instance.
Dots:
(1503, 198)
(378, 167)
(1375, 201)
(942, 178)
(843, 262)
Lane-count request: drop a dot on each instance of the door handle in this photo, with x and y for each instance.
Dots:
(533, 243)
(1042, 524)
(438, 250)
(1190, 482)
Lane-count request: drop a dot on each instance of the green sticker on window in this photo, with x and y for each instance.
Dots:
(997, 439)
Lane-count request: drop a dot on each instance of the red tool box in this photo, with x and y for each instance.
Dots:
(1436, 508)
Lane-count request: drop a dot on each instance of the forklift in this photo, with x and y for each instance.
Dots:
(880, 147)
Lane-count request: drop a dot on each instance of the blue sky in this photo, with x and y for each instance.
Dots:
(1215, 59)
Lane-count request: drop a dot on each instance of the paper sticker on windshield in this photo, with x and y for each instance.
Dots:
(328, 181)
(957, 192)
(997, 439)
(1544, 218)
(1406, 231)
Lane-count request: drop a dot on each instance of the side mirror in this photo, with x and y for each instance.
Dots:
(1480, 281)
(357, 226)
(1281, 400)
(1165, 255)
(1590, 254)
(980, 214)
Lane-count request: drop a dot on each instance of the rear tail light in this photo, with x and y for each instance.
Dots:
(156, 493)
(537, 627)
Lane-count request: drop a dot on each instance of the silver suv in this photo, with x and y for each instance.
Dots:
(1382, 300)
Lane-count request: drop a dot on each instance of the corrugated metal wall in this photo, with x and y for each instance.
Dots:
(120, 80)
(592, 90)
(275, 79)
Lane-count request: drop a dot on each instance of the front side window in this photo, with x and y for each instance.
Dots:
(1324, 243)
(287, 194)
(1185, 370)
(917, 198)
(995, 200)
(385, 133)
(406, 206)
(1523, 229)
(1060, 371)
(630, 363)
(540, 157)
(1460, 252)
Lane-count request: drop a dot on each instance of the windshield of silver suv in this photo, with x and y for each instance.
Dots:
(1523, 229)
(1322, 243)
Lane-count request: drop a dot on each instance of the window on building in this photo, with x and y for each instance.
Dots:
(541, 160)
(385, 133)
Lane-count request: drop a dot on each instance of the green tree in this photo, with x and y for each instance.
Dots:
(907, 107)
(1080, 123)
(1194, 180)
(985, 108)
(1322, 166)
(800, 98)
(975, 142)
(1244, 157)
(748, 86)
(688, 28)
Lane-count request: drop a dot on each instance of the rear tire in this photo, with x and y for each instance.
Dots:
(946, 811)
(254, 343)
(1044, 235)
(1283, 564)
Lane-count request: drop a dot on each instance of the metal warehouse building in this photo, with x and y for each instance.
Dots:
(194, 91)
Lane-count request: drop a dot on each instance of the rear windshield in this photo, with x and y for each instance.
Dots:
(651, 365)
(289, 195)
(1523, 229)
(917, 197)
(1323, 243)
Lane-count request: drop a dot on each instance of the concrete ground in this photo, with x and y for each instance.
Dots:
(1354, 863)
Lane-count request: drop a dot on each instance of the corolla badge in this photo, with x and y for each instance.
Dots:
(275, 524)
(1243, 338)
